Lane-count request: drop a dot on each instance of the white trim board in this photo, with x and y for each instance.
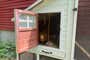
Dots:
(34, 4)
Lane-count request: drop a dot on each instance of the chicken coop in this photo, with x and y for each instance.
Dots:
(47, 30)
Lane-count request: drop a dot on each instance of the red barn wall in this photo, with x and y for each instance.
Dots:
(83, 25)
(7, 9)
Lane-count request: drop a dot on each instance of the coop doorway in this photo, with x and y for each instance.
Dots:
(49, 29)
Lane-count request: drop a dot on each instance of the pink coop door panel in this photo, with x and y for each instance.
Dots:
(26, 30)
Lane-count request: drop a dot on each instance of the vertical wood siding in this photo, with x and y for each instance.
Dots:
(83, 27)
(7, 9)
(83, 31)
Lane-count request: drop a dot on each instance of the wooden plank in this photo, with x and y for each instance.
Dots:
(12, 1)
(13, 7)
(17, 3)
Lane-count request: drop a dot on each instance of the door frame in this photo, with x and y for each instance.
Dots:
(38, 50)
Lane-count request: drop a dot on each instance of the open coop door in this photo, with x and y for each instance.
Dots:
(26, 30)
(38, 35)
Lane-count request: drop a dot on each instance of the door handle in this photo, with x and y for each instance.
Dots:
(46, 52)
(75, 9)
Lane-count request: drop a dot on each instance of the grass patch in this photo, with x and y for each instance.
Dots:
(7, 50)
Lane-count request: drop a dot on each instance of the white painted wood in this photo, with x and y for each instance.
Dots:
(17, 57)
(37, 56)
(48, 7)
(56, 53)
(74, 28)
(34, 4)
(71, 30)
(68, 27)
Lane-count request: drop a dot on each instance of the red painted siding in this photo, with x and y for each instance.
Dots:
(7, 9)
(83, 27)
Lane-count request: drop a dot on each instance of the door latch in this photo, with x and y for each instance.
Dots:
(75, 9)
(46, 52)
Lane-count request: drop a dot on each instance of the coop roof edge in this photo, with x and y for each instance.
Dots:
(30, 7)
